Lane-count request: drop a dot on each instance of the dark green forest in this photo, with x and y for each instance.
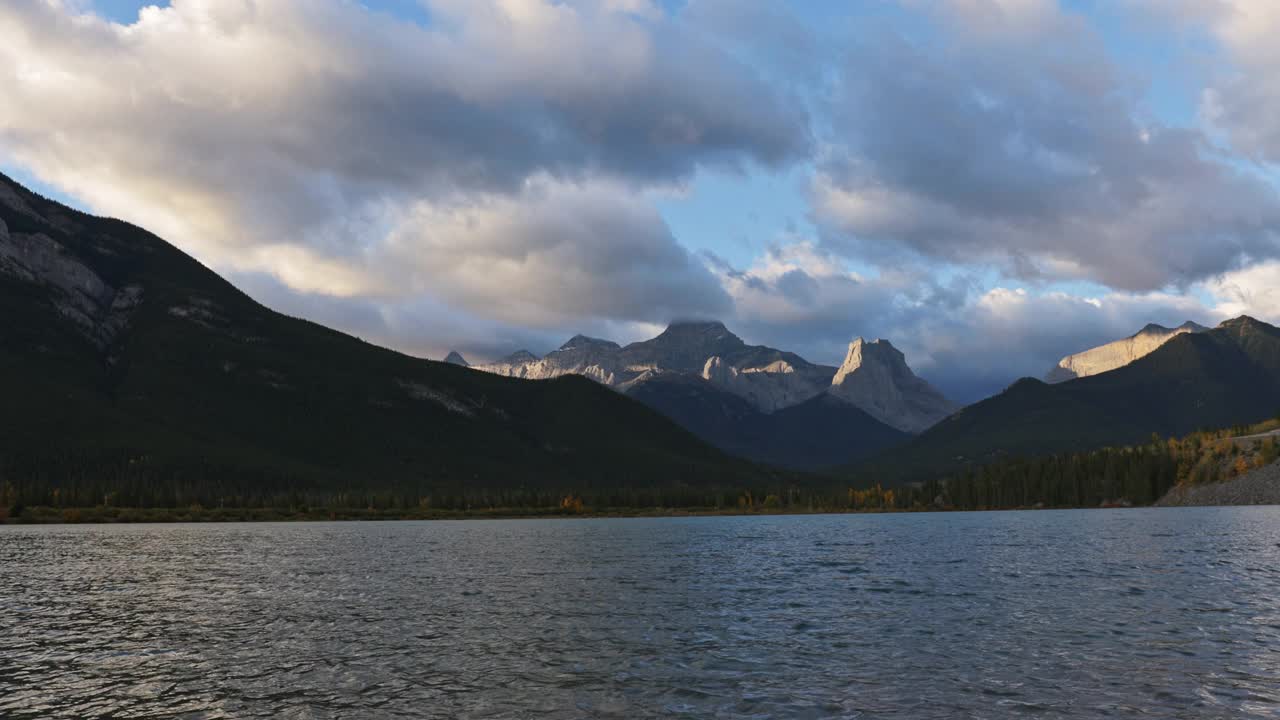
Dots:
(73, 486)
(135, 378)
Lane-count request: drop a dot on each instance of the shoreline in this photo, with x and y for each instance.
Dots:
(123, 516)
(1256, 487)
(167, 516)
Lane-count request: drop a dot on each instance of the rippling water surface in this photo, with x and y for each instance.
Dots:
(1164, 613)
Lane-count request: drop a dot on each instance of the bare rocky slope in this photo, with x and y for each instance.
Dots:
(1111, 356)
(1257, 487)
(1223, 377)
(755, 401)
(875, 376)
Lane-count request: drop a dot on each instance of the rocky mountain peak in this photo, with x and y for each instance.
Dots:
(875, 377)
(1240, 322)
(455, 358)
(698, 330)
(1246, 326)
(1111, 356)
(519, 357)
(683, 347)
(1157, 329)
(862, 351)
(583, 341)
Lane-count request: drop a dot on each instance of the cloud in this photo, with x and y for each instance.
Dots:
(297, 137)
(970, 342)
(550, 255)
(1245, 103)
(1254, 291)
(486, 180)
(1008, 138)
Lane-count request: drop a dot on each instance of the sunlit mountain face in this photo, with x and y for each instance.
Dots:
(990, 186)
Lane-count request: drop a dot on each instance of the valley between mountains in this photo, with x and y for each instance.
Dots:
(134, 376)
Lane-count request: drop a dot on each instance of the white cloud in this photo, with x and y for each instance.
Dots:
(487, 181)
(1254, 291)
(1009, 138)
(969, 341)
(297, 137)
(552, 254)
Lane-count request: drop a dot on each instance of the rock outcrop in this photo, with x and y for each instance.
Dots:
(767, 378)
(685, 347)
(770, 380)
(770, 386)
(1111, 356)
(100, 311)
(875, 377)
(581, 355)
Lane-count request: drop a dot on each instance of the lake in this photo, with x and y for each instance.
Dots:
(1172, 613)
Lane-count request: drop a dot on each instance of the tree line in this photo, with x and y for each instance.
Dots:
(1131, 475)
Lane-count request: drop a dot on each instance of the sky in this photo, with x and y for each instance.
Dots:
(988, 184)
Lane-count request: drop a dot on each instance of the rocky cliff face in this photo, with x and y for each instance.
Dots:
(768, 379)
(769, 386)
(99, 311)
(875, 377)
(591, 357)
(1106, 358)
(685, 347)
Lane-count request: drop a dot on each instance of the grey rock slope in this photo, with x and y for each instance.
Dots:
(1258, 487)
(769, 380)
(1111, 356)
(875, 377)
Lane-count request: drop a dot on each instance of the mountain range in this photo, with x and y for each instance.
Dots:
(754, 401)
(1113, 355)
(122, 357)
(1194, 379)
(125, 363)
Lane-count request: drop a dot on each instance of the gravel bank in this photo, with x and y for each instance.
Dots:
(1259, 487)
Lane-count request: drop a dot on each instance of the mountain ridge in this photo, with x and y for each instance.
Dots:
(1118, 353)
(1222, 377)
(119, 345)
(687, 369)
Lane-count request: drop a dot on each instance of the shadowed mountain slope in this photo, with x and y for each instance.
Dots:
(821, 432)
(1226, 376)
(117, 345)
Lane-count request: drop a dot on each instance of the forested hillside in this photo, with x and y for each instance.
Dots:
(131, 374)
(1220, 378)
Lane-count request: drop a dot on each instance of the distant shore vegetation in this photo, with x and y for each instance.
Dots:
(117, 487)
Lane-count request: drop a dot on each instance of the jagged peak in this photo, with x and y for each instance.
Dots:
(878, 342)
(861, 348)
(455, 358)
(519, 356)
